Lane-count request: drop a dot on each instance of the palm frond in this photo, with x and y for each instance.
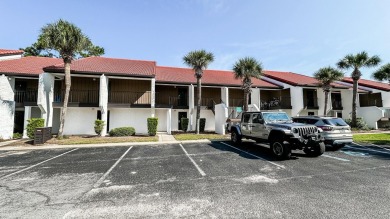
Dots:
(383, 73)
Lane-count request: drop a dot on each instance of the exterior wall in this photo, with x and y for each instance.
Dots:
(7, 108)
(134, 117)
(346, 99)
(161, 114)
(297, 103)
(103, 102)
(80, 121)
(175, 118)
(255, 96)
(386, 98)
(46, 97)
(370, 115)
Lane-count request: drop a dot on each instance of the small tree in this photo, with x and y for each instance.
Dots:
(326, 76)
(198, 60)
(245, 69)
(152, 126)
(383, 73)
(99, 125)
(356, 62)
(34, 123)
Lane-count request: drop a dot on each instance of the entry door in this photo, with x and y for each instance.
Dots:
(181, 115)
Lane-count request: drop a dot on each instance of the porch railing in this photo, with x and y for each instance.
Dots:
(311, 103)
(26, 96)
(125, 97)
(282, 102)
(371, 102)
(236, 102)
(78, 96)
(178, 101)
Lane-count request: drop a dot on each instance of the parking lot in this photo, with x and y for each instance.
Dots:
(194, 180)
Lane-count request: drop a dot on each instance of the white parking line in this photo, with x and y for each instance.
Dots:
(337, 158)
(278, 165)
(97, 184)
(361, 147)
(192, 160)
(27, 168)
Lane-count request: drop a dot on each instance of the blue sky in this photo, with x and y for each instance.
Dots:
(287, 35)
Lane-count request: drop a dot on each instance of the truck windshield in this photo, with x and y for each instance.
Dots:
(276, 117)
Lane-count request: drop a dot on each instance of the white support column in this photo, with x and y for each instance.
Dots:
(46, 97)
(27, 116)
(225, 95)
(103, 102)
(153, 97)
(255, 97)
(7, 107)
(169, 121)
(191, 104)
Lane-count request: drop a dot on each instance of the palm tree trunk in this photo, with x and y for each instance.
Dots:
(198, 84)
(66, 97)
(246, 100)
(354, 94)
(326, 102)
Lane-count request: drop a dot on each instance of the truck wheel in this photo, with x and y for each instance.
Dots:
(316, 151)
(280, 150)
(235, 137)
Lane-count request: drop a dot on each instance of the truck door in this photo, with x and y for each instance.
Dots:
(246, 124)
(257, 126)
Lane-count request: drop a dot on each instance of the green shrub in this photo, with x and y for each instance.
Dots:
(122, 131)
(152, 126)
(202, 124)
(184, 124)
(17, 136)
(99, 125)
(360, 124)
(34, 123)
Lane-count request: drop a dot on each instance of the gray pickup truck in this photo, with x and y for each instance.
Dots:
(282, 134)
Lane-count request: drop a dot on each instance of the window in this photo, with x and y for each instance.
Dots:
(256, 118)
(246, 117)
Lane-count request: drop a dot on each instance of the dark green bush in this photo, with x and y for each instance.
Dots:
(360, 124)
(184, 124)
(152, 126)
(34, 123)
(17, 135)
(202, 124)
(122, 131)
(99, 125)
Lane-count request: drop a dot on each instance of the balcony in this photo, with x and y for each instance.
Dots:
(371, 99)
(282, 102)
(311, 103)
(130, 99)
(178, 102)
(78, 97)
(236, 102)
(26, 97)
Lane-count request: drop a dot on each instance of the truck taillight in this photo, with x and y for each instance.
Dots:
(326, 128)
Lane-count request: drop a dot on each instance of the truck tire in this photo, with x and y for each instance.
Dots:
(280, 150)
(235, 137)
(316, 151)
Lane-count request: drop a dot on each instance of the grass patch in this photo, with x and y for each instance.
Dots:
(192, 136)
(75, 140)
(378, 138)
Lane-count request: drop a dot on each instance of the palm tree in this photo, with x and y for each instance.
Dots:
(326, 76)
(68, 40)
(356, 62)
(198, 60)
(245, 69)
(383, 73)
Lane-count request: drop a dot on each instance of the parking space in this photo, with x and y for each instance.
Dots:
(194, 179)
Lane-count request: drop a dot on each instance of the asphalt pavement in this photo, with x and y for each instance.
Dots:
(196, 180)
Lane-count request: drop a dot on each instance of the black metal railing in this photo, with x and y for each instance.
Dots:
(125, 97)
(236, 102)
(311, 103)
(78, 96)
(337, 105)
(371, 102)
(26, 96)
(178, 101)
(281, 102)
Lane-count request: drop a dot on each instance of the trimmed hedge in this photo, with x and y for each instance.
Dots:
(360, 124)
(34, 123)
(202, 124)
(99, 125)
(122, 131)
(184, 124)
(152, 126)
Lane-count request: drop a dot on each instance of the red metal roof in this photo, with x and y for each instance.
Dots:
(10, 52)
(369, 83)
(30, 65)
(109, 66)
(210, 77)
(297, 79)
